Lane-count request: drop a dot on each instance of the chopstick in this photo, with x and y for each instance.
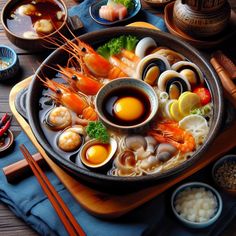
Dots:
(70, 223)
(227, 83)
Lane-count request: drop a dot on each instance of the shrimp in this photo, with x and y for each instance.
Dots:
(66, 97)
(89, 62)
(169, 131)
(79, 81)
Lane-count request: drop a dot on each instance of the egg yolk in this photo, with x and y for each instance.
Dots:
(96, 154)
(128, 108)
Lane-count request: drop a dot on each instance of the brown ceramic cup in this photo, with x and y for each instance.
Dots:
(201, 21)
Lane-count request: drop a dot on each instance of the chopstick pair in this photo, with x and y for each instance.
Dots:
(70, 223)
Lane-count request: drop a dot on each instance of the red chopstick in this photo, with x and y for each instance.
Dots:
(70, 223)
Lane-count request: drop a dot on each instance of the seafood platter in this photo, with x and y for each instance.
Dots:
(124, 108)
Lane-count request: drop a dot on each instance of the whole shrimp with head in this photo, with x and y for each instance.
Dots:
(168, 131)
(115, 59)
(76, 102)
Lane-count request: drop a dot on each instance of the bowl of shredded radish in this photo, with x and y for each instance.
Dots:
(196, 204)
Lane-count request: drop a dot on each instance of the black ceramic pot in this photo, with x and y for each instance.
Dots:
(121, 184)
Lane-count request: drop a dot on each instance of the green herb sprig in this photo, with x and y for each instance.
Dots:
(97, 130)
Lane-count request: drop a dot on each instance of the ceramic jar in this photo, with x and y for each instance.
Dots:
(201, 18)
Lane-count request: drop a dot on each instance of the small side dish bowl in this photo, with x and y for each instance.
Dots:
(196, 204)
(7, 143)
(224, 173)
(94, 13)
(9, 63)
(116, 94)
(31, 42)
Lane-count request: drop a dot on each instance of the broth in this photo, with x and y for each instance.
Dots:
(34, 18)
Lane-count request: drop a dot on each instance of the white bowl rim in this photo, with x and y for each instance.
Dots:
(192, 223)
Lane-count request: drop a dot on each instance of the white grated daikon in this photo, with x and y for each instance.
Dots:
(196, 204)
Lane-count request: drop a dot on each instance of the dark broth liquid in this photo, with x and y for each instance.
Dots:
(45, 9)
(110, 100)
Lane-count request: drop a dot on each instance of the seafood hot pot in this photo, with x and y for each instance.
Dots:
(117, 183)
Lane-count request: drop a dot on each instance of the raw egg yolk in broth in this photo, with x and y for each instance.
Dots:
(126, 106)
(97, 153)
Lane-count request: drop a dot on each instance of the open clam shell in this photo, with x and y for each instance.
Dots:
(88, 155)
(173, 83)
(190, 71)
(150, 68)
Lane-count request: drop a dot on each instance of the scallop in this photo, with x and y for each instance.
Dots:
(95, 154)
(71, 139)
(58, 118)
(171, 55)
(190, 71)
(150, 68)
(173, 83)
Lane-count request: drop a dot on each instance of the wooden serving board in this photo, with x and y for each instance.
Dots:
(110, 206)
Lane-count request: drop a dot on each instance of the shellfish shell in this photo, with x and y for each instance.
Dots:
(112, 151)
(150, 68)
(190, 71)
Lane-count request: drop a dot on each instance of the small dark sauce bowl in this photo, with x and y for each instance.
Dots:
(126, 83)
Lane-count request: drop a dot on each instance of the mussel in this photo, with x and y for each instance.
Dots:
(173, 83)
(95, 154)
(58, 118)
(150, 68)
(190, 71)
(71, 138)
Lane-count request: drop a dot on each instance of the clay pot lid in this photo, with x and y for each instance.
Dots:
(209, 42)
(7, 143)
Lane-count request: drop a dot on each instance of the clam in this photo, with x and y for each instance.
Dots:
(71, 138)
(150, 68)
(125, 164)
(137, 144)
(171, 55)
(165, 151)
(95, 154)
(58, 118)
(190, 71)
(173, 83)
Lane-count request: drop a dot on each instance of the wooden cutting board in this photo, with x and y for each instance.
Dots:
(111, 206)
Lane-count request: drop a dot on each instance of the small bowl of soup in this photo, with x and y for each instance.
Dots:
(29, 23)
(126, 104)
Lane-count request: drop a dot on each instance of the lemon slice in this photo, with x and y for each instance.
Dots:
(195, 124)
(187, 102)
(167, 108)
(175, 112)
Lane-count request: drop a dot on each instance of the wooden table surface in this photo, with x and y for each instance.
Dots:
(9, 224)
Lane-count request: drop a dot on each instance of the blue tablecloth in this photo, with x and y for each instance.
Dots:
(27, 200)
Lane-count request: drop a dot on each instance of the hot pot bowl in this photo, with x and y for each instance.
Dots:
(36, 44)
(116, 183)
